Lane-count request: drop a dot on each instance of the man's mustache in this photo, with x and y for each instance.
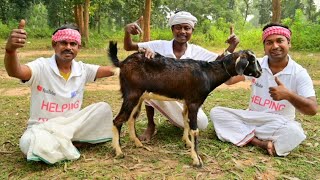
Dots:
(67, 52)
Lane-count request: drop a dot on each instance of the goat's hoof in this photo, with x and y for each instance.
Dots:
(119, 156)
(198, 163)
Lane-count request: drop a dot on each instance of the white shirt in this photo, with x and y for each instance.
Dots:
(293, 76)
(51, 94)
(165, 48)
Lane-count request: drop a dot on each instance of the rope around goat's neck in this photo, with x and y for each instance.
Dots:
(225, 68)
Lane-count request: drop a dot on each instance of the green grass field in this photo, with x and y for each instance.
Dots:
(168, 159)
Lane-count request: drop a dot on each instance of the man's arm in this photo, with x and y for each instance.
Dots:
(17, 39)
(305, 105)
(232, 40)
(131, 29)
(105, 71)
(235, 79)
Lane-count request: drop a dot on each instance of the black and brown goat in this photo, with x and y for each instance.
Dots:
(187, 80)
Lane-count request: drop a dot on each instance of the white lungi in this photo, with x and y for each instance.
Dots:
(240, 126)
(173, 111)
(51, 141)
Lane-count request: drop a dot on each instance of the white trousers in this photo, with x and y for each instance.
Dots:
(173, 111)
(240, 126)
(92, 124)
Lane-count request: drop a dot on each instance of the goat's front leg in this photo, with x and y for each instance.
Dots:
(194, 134)
(125, 113)
(186, 128)
(116, 129)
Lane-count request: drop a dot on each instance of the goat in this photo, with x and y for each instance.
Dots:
(162, 78)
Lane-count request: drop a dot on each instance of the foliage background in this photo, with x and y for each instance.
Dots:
(108, 17)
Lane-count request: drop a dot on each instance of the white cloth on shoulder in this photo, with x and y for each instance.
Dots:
(51, 141)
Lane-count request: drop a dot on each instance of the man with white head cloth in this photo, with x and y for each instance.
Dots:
(284, 86)
(182, 24)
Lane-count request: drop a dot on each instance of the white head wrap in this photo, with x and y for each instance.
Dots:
(182, 17)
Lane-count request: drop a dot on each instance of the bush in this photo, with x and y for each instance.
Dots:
(4, 31)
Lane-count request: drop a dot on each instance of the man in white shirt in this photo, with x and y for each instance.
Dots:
(57, 86)
(283, 87)
(182, 25)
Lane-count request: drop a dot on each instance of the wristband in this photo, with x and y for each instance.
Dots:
(10, 52)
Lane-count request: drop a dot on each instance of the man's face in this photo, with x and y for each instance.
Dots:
(182, 32)
(276, 47)
(66, 50)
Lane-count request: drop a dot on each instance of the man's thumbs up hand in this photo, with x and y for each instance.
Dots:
(279, 92)
(278, 81)
(17, 38)
(22, 24)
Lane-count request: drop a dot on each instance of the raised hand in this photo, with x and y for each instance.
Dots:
(17, 38)
(134, 28)
(279, 92)
(232, 39)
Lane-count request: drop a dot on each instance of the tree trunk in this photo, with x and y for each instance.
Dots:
(79, 17)
(76, 14)
(146, 21)
(276, 11)
(86, 21)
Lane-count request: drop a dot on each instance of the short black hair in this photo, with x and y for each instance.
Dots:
(275, 24)
(67, 26)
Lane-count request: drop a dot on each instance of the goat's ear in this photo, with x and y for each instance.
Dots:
(241, 64)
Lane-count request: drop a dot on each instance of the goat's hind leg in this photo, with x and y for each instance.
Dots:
(132, 130)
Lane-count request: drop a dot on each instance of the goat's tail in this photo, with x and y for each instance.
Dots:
(113, 51)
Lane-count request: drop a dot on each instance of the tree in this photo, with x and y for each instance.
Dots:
(276, 11)
(311, 11)
(86, 21)
(246, 9)
(290, 7)
(81, 17)
(146, 20)
(4, 11)
(264, 8)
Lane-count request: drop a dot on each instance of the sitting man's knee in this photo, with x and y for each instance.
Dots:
(24, 142)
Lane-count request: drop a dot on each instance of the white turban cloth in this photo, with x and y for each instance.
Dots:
(182, 17)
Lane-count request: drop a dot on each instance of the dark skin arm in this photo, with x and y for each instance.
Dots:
(131, 29)
(306, 106)
(16, 39)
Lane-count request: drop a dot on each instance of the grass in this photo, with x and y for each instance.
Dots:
(169, 159)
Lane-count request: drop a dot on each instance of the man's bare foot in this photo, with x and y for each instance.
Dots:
(150, 131)
(270, 148)
(267, 145)
(82, 144)
(147, 134)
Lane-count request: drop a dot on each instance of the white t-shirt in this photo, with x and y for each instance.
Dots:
(51, 94)
(293, 76)
(165, 48)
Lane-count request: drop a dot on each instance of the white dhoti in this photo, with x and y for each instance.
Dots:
(51, 141)
(173, 111)
(240, 126)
